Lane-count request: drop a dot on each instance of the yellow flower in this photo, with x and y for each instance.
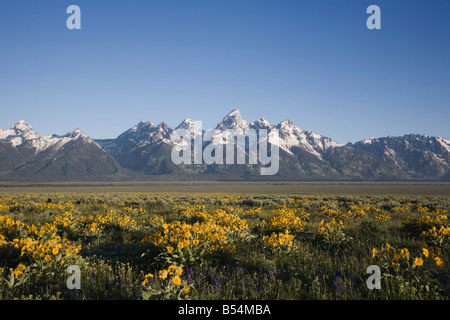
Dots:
(195, 242)
(439, 261)
(404, 252)
(187, 290)
(176, 280)
(374, 252)
(19, 270)
(169, 249)
(47, 258)
(162, 274)
(388, 246)
(418, 261)
(425, 252)
(176, 270)
(147, 279)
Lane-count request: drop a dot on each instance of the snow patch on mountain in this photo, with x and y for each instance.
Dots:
(445, 143)
(292, 136)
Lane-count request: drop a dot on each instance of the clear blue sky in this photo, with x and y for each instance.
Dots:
(313, 61)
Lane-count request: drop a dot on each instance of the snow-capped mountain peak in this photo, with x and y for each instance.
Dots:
(137, 132)
(234, 121)
(186, 123)
(368, 141)
(17, 132)
(191, 127)
(288, 126)
(234, 113)
(142, 126)
(77, 134)
(261, 123)
(144, 133)
(21, 126)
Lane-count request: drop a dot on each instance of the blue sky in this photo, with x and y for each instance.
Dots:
(313, 61)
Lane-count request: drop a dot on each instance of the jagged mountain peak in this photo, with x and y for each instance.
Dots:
(142, 125)
(163, 125)
(76, 134)
(144, 133)
(145, 126)
(233, 120)
(234, 113)
(287, 124)
(137, 130)
(261, 123)
(21, 126)
(19, 133)
(288, 129)
(186, 123)
(190, 126)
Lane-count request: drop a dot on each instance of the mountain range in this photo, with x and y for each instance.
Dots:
(143, 152)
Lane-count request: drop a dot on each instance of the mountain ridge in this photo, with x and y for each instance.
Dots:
(143, 151)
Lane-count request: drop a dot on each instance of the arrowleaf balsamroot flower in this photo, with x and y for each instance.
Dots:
(418, 261)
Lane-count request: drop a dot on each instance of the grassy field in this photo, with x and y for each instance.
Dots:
(227, 241)
(302, 188)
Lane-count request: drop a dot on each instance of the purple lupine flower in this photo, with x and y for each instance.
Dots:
(339, 286)
(216, 284)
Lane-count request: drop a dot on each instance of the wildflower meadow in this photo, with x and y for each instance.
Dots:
(164, 246)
